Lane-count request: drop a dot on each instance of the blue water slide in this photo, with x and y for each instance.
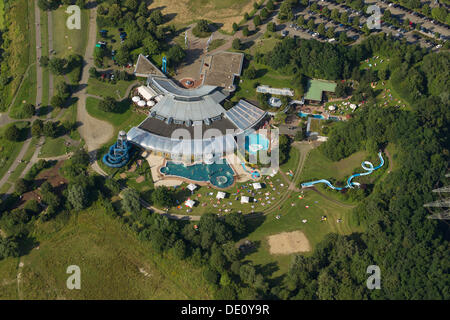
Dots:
(117, 156)
(366, 165)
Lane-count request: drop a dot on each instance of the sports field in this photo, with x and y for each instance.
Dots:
(225, 12)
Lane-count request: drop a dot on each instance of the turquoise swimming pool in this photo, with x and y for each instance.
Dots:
(220, 175)
(305, 115)
(256, 142)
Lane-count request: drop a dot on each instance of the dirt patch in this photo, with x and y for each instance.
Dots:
(288, 242)
(225, 12)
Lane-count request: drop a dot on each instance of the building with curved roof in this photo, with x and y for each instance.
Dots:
(188, 123)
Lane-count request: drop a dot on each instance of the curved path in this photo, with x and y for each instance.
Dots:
(95, 132)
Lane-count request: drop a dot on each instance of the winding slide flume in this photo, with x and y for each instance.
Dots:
(366, 165)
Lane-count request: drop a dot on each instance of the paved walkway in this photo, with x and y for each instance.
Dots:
(95, 132)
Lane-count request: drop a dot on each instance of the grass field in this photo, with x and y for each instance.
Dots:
(123, 120)
(266, 76)
(386, 95)
(8, 281)
(113, 263)
(67, 41)
(219, 11)
(21, 50)
(26, 94)
(318, 166)
(291, 220)
(53, 148)
(45, 71)
(104, 89)
(28, 154)
(2, 15)
(8, 149)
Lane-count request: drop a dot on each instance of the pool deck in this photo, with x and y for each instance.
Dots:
(240, 174)
(156, 162)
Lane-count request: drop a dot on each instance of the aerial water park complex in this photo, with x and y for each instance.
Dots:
(366, 165)
(193, 156)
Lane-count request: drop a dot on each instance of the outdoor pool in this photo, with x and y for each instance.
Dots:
(220, 175)
(316, 116)
(256, 142)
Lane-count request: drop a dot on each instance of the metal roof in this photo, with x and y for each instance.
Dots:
(244, 115)
(198, 147)
(169, 87)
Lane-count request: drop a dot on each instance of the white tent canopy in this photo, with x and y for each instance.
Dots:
(245, 199)
(136, 99)
(146, 92)
(192, 187)
(150, 103)
(189, 203)
(257, 185)
(331, 108)
(221, 195)
(141, 103)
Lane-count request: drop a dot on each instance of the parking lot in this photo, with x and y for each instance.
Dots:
(428, 26)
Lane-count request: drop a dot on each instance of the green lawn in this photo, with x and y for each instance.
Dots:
(22, 49)
(121, 121)
(104, 89)
(5, 188)
(386, 95)
(67, 41)
(26, 94)
(28, 154)
(53, 148)
(113, 263)
(318, 166)
(8, 149)
(266, 76)
(45, 72)
(291, 220)
(8, 271)
(216, 44)
(292, 162)
(2, 15)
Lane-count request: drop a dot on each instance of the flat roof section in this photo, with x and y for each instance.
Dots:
(223, 68)
(316, 87)
(145, 68)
